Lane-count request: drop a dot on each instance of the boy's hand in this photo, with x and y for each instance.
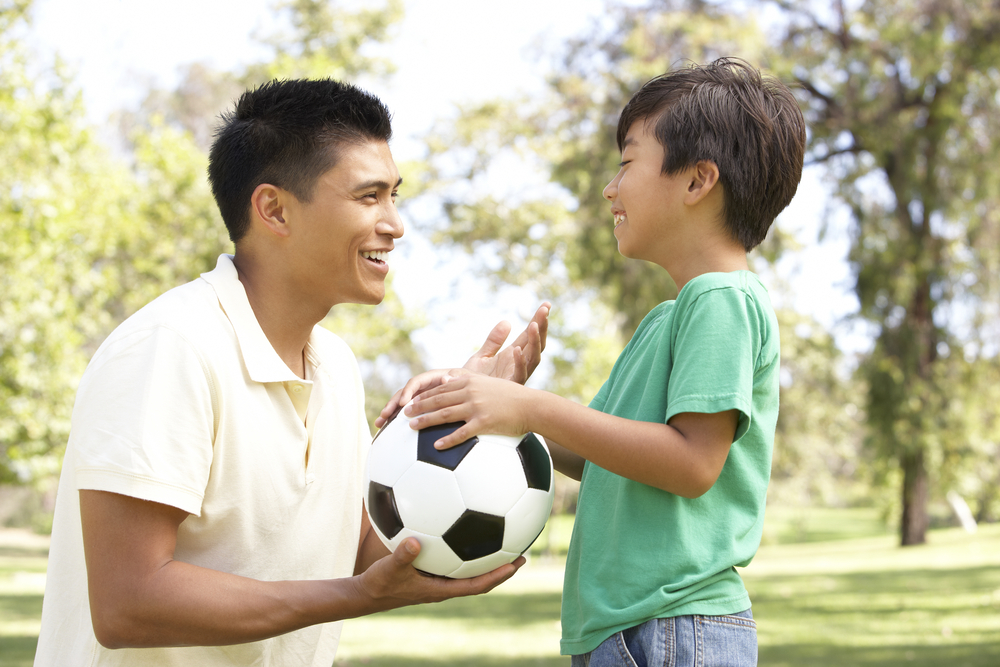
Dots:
(519, 360)
(485, 404)
(414, 386)
(393, 581)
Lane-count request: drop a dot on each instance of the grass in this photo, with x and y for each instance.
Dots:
(22, 582)
(829, 588)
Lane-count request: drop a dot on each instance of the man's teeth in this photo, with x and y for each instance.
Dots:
(377, 255)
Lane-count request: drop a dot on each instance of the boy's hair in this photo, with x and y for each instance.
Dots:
(287, 134)
(748, 125)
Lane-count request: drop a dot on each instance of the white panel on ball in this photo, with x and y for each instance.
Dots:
(396, 452)
(491, 476)
(525, 519)
(428, 498)
(474, 568)
(435, 556)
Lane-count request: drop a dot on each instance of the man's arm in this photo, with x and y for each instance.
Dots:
(141, 597)
(684, 457)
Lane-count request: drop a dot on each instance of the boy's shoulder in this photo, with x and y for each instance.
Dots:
(744, 281)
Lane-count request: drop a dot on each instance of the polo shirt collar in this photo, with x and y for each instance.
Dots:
(262, 363)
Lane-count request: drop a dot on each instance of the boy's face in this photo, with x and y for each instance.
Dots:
(647, 205)
(344, 234)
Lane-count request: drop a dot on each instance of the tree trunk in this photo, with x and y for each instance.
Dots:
(913, 527)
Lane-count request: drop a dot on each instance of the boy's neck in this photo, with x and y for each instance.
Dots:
(713, 258)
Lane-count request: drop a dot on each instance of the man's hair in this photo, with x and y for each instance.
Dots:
(287, 134)
(748, 125)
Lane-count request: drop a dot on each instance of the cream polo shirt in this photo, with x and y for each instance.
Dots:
(187, 404)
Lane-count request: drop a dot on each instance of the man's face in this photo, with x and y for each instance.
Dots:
(645, 203)
(342, 237)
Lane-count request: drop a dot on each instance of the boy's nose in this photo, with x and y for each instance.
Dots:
(611, 189)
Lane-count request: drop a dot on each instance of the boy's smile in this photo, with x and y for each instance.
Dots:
(645, 203)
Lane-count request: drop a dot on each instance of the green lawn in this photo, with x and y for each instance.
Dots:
(818, 601)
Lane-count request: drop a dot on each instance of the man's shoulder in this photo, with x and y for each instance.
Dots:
(191, 311)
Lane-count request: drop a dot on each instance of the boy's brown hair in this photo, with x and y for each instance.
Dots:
(748, 125)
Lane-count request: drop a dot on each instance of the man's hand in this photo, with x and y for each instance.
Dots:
(393, 582)
(518, 361)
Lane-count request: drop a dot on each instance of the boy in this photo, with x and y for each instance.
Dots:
(674, 452)
(209, 510)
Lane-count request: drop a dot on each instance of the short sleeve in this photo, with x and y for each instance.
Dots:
(715, 344)
(143, 423)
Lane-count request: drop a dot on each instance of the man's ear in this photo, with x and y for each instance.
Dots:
(702, 179)
(267, 205)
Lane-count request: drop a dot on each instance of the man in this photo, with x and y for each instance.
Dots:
(209, 510)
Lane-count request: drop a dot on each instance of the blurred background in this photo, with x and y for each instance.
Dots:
(885, 270)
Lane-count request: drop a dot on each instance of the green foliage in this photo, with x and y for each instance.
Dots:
(818, 452)
(327, 41)
(902, 100)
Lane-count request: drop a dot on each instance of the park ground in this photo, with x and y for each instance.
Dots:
(829, 587)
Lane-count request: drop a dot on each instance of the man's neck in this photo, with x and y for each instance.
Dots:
(284, 317)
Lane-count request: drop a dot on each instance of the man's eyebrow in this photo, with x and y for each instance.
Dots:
(379, 185)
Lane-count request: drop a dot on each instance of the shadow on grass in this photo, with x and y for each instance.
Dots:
(791, 595)
(958, 655)
(497, 609)
(482, 660)
(17, 651)
(20, 607)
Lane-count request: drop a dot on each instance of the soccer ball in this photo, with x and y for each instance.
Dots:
(473, 507)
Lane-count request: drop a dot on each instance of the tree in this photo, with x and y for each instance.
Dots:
(902, 100)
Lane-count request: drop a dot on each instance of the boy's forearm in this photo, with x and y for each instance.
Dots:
(684, 457)
(564, 461)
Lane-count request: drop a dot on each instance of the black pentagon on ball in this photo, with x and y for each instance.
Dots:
(475, 535)
(447, 458)
(382, 509)
(535, 460)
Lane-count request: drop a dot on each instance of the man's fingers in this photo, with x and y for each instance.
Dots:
(520, 366)
(495, 340)
(406, 552)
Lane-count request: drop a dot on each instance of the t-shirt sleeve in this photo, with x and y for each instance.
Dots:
(143, 423)
(714, 356)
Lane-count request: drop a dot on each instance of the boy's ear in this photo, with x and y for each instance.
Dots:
(267, 204)
(702, 179)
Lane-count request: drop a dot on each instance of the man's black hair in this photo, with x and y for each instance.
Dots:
(287, 133)
(727, 113)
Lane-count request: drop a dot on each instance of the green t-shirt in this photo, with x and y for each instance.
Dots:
(638, 552)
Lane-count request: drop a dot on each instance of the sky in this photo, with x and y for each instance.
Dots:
(446, 52)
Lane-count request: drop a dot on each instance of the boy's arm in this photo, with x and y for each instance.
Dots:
(141, 597)
(683, 457)
(567, 462)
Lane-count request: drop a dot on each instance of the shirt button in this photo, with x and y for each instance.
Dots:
(297, 388)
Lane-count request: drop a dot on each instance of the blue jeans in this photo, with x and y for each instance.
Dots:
(684, 641)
